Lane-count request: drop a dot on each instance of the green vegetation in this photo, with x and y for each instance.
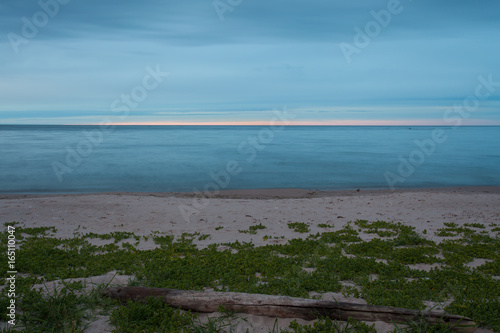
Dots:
(203, 237)
(377, 270)
(422, 326)
(326, 325)
(252, 230)
(474, 225)
(150, 316)
(266, 237)
(68, 309)
(299, 227)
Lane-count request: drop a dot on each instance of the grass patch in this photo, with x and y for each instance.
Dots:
(422, 326)
(66, 309)
(326, 325)
(333, 258)
(252, 230)
(299, 227)
(151, 316)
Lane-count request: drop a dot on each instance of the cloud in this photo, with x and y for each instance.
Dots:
(197, 23)
(264, 54)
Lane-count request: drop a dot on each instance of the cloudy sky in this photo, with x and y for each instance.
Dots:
(234, 61)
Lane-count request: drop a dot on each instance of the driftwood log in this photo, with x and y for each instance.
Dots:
(284, 306)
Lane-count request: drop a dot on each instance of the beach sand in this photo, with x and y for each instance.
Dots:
(176, 213)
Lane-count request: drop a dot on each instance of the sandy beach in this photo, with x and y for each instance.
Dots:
(177, 213)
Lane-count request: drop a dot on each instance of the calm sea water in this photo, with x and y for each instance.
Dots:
(77, 159)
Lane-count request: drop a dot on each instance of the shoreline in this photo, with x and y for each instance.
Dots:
(177, 213)
(275, 193)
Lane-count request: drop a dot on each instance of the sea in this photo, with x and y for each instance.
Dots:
(43, 159)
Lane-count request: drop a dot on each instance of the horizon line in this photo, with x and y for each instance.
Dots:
(279, 123)
(271, 125)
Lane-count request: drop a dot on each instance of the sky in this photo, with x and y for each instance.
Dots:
(335, 62)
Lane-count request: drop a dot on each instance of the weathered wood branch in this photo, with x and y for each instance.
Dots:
(284, 306)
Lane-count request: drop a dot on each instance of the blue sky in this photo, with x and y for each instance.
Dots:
(73, 61)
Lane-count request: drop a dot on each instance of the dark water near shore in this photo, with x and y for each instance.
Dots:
(76, 159)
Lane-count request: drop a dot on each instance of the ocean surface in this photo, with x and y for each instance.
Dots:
(80, 159)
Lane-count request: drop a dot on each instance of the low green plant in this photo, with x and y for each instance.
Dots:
(475, 225)
(225, 323)
(326, 325)
(299, 227)
(377, 270)
(420, 325)
(65, 309)
(252, 230)
(153, 315)
(203, 237)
